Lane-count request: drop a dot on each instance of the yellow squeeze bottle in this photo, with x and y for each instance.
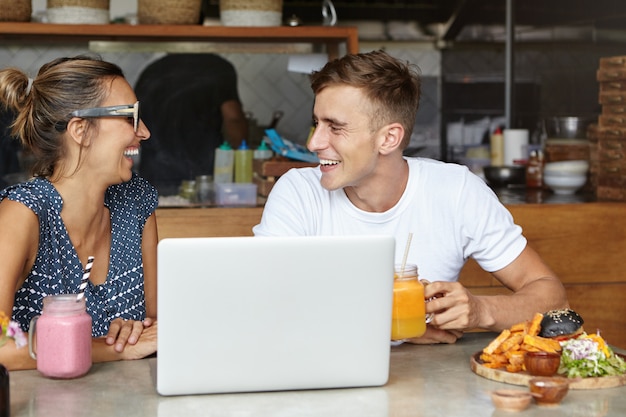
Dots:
(243, 163)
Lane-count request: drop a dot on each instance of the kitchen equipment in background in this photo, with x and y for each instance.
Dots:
(78, 11)
(243, 163)
(515, 143)
(496, 149)
(169, 12)
(475, 158)
(247, 13)
(256, 132)
(267, 171)
(262, 152)
(564, 185)
(505, 176)
(235, 194)
(205, 190)
(15, 10)
(224, 165)
(566, 150)
(566, 177)
(329, 13)
(567, 127)
(567, 138)
(289, 149)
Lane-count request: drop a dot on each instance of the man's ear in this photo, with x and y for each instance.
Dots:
(77, 130)
(392, 138)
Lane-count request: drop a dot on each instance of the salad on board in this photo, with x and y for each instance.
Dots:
(587, 356)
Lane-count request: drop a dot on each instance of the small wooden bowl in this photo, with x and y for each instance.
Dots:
(542, 363)
(549, 390)
(510, 399)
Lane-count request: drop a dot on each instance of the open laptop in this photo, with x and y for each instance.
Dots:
(247, 314)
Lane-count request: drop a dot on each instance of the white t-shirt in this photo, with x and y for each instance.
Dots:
(451, 212)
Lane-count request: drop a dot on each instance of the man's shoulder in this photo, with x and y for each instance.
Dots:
(435, 167)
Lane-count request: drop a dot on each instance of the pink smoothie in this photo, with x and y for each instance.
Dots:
(63, 335)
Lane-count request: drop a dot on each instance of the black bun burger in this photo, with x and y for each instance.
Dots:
(561, 324)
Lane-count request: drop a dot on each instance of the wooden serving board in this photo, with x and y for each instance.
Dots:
(522, 378)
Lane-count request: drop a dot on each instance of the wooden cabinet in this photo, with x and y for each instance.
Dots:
(330, 36)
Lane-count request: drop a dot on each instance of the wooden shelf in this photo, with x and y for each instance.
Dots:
(331, 36)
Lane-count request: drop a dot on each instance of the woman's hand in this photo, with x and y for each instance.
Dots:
(126, 332)
(146, 346)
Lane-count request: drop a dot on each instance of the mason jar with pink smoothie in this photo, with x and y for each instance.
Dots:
(62, 337)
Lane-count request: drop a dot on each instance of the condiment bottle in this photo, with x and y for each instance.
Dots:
(224, 163)
(534, 169)
(263, 152)
(205, 191)
(63, 337)
(243, 163)
(497, 148)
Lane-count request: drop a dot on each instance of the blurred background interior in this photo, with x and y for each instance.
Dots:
(459, 46)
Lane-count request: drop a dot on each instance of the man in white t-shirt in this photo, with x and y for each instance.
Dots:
(365, 108)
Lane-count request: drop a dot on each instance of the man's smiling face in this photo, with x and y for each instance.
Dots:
(343, 139)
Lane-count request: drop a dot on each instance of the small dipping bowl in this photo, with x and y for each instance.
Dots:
(542, 363)
(510, 399)
(549, 390)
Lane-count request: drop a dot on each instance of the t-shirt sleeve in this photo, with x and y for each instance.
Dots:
(147, 197)
(27, 194)
(139, 193)
(491, 238)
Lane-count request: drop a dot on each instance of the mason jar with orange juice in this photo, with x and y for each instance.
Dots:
(408, 317)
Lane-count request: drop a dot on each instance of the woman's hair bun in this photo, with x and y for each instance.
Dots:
(560, 322)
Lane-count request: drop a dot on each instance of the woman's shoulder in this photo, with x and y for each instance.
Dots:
(137, 192)
(34, 193)
(137, 187)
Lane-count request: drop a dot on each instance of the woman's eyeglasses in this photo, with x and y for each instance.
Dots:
(126, 110)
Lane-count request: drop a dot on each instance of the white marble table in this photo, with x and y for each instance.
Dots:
(424, 381)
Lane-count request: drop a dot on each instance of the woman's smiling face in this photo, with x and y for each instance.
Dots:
(116, 142)
(343, 139)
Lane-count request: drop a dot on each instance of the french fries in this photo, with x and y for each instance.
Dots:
(508, 348)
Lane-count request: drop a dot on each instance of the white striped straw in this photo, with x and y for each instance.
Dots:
(85, 279)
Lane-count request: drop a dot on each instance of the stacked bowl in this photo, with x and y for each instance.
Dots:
(566, 177)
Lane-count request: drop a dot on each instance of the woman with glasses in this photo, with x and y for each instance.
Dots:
(80, 118)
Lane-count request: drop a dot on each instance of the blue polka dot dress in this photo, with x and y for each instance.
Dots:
(57, 269)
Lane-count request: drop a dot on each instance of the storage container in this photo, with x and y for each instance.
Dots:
(169, 12)
(235, 194)
(251, 12)
(78, 11)
(15, 10)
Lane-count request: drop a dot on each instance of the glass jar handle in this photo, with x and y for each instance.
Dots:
(31, 331)
(429, 316)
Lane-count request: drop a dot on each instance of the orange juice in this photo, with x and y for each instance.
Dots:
(408, 318)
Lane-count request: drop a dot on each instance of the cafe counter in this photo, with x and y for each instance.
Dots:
(433, 380)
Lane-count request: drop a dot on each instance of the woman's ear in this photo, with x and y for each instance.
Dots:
(77, 130)
(392, 138)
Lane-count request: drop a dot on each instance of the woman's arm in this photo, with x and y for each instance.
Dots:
(19, 242)
(123, 333)
(149, 253)
(15, 358)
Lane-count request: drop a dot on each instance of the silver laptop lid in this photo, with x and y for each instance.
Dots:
(246, 314)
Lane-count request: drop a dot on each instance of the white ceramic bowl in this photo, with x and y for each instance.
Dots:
(567, 168)
(564, 184)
